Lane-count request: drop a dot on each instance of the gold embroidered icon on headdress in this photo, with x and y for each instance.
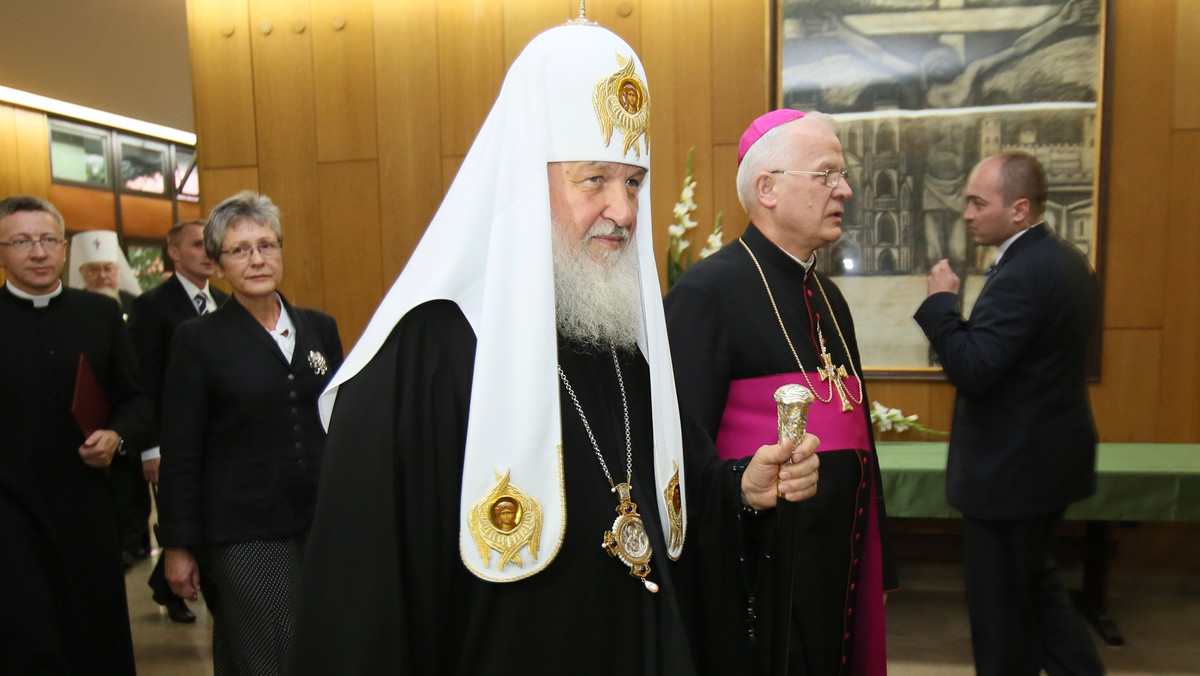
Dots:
(622, 100)
(674, 501)
(506, 519)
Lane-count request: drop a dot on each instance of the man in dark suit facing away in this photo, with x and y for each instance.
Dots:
(155, 316)
(1023, 443)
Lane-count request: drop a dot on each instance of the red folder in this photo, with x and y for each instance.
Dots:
(89, 406)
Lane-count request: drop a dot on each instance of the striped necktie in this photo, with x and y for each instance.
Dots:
(201, 303)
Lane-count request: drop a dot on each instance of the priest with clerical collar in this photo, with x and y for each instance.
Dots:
(752, 317)
(70, 401)
(505, 439)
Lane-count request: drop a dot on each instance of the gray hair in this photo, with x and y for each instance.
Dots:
(768, 154)
(15, 203)
(244, 206)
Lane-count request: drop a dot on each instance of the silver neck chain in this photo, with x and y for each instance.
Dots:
(588, 428)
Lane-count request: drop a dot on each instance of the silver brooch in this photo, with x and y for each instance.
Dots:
(316, 360)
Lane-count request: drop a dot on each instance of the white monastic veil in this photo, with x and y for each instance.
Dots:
(488, 249)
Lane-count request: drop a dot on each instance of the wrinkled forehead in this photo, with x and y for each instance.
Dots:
(593, 92)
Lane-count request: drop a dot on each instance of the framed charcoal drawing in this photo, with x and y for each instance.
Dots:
(922, 90)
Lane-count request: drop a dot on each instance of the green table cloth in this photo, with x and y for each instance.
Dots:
(1134, 482)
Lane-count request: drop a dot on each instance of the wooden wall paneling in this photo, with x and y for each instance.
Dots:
(10, 166)
(84, 208)
(1179, 395)
(145, 217)
(409, 121)
(623, 18)
(941, 405)
(1187, 75)
(222, 82)
(350, 225)
(910, 397)
(1125, 403)
(218, 184)
(344, 75)
(33, 151)
(1141, 146)
(450, 167)
(281, 48)
(524, 19)
(470, 42)
(679, 70)
(188, 211)
(724, 189)
(740, 66)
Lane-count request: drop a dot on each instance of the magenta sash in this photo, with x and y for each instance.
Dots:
(751, 421)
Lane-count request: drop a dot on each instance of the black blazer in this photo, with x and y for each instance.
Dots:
(241, 438)
(1023, 442)
(152, 323)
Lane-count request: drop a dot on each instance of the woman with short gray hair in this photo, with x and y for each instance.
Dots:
(242, 442)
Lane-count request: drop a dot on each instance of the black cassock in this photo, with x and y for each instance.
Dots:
(384, 588)
(62, 587)
(723, 329)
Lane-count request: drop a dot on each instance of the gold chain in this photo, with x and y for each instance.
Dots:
(788, 338)
(841, 337)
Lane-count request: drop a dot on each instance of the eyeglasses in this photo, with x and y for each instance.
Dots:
(24, 244)
(831, 177)
(243, 252)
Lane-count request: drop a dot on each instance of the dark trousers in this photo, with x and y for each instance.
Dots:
(131, 495)
(1022, 620)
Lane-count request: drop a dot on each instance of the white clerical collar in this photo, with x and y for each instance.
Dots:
(807, 265)
(192, 290)
(1008, 242)
(38, 301)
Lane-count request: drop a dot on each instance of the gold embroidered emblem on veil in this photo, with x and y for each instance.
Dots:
(507, 519)
(674, 502)
(622, 100)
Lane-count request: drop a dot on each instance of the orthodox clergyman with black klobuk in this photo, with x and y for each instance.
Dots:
(525, 494)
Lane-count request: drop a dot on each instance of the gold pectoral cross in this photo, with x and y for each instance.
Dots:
(834, 374)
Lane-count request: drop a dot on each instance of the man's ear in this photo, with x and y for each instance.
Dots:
(1021, 209)
(764, 190)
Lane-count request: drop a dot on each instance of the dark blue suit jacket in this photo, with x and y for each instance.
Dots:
(1023, 442)
(152, 323)
(242, 441)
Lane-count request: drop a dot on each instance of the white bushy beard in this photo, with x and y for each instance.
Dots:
(106, 291)
(597, 303)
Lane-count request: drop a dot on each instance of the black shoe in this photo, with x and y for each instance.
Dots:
(177, 609)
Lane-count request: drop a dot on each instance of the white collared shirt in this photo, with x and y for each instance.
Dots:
(192, 290)
(285, 332)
